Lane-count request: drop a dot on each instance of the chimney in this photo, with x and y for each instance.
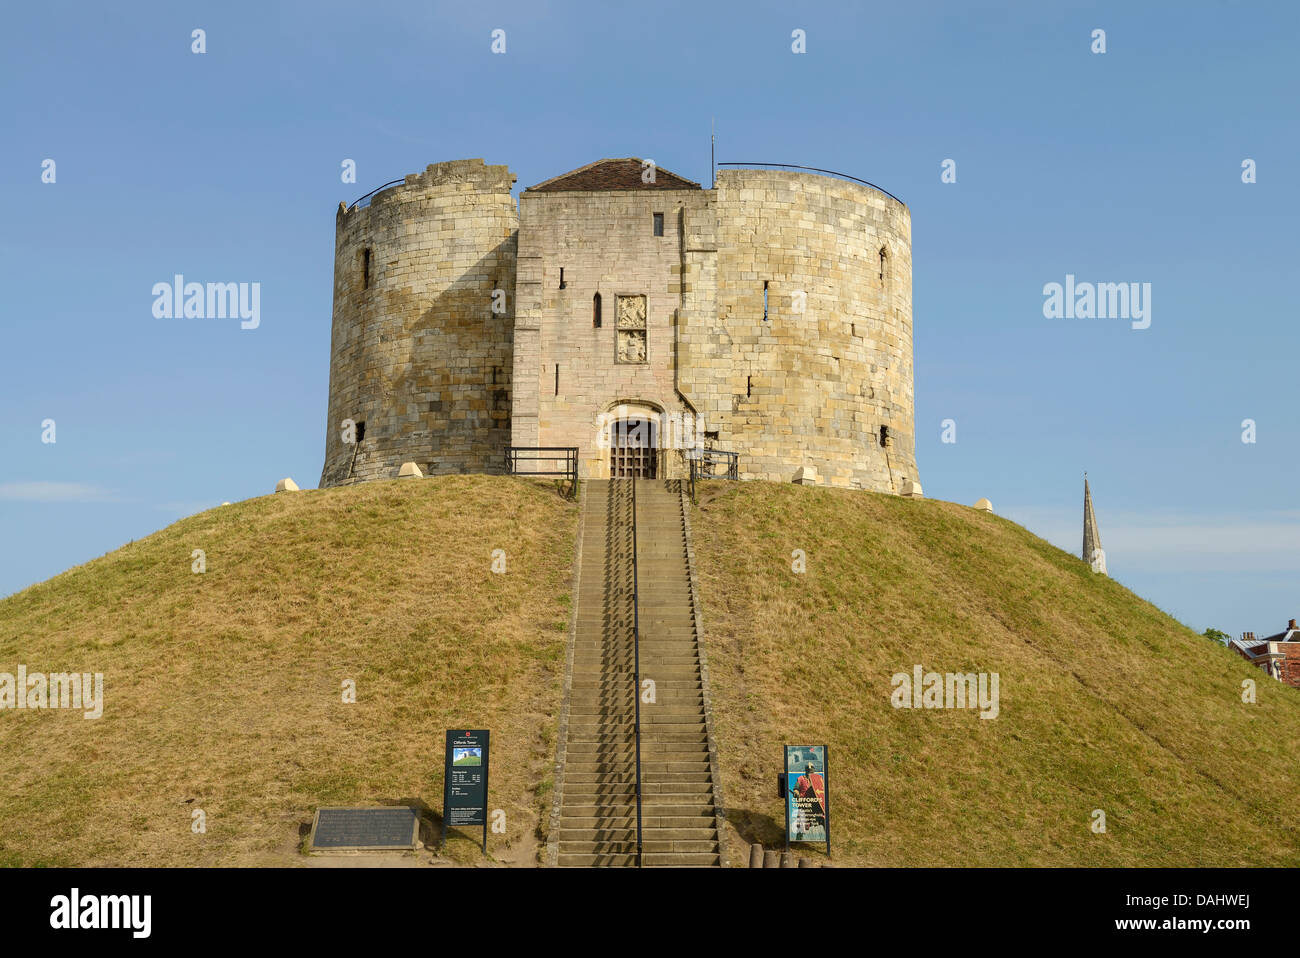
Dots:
(1291, 625)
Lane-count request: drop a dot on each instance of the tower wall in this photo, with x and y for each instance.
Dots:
(811, 388)
(568, 371)
(813, 372)
(417, 352)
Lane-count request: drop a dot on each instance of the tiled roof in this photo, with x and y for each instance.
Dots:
(617, 174)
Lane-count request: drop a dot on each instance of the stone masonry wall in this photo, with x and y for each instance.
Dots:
(811, 388)
(418, 354)
(605, 243)
(439, 379)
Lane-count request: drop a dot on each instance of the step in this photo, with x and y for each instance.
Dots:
(675, 731)
(705, 835)
(680, 859)
(602, 839)
(595, 810)
(673, 793)
(649, 849)
(593, 847)
(583, 860)
(571, 825)
(672, 816)
(608, 796)
(657, 769)
(675, 776)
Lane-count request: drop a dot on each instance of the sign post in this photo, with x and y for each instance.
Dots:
(805, 786)
(465, 781)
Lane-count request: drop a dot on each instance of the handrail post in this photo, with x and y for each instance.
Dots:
(636, 674)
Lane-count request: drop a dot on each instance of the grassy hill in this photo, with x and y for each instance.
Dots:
(223, 689)
(1106, 702)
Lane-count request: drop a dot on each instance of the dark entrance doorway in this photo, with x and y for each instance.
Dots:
(633, 449)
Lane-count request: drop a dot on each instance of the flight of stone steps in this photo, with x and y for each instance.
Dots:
(597, 802)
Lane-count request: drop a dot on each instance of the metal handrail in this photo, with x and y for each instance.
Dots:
(813, 169)
(516, 454)
(374, 191)
(636, 674)
(704, 462)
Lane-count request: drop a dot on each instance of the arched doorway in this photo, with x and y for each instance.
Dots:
(634, 447)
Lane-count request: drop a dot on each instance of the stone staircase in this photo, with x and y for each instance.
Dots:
(679, 818)
(596, 804)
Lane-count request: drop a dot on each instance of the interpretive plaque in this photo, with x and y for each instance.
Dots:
(806, 783)
(365, 829)
(465, 781)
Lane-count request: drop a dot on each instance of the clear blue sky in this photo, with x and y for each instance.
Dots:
(1115, 167)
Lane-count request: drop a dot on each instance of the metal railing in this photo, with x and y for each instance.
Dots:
(814, 169)
(357, 202)
(705, 462)
(537, 455)
(636, 674)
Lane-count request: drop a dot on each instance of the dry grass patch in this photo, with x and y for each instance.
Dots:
(223, 690)
(1106, 702)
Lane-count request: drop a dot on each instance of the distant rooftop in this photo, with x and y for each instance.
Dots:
(613, 174)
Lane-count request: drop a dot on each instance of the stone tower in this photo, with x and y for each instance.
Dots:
(421, 358)
(614, 305)
(1093, 553)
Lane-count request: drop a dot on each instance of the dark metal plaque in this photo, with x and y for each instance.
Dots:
(348, 829)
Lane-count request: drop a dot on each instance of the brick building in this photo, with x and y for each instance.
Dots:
(1278, 655)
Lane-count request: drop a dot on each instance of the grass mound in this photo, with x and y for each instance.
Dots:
(224, 690)
(1105, 702)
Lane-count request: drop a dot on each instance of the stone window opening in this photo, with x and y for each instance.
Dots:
(361, 431)
(749, 386)
(884, 257)
(885, 440)
(557, 379)
(764, 300)
(562, 277)
(659, 224)
(595, 311)
(365, 268)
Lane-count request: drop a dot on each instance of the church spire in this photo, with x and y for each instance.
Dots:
(1093, 553)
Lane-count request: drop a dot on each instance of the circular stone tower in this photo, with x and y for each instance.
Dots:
(420, 358)
(796, 328)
